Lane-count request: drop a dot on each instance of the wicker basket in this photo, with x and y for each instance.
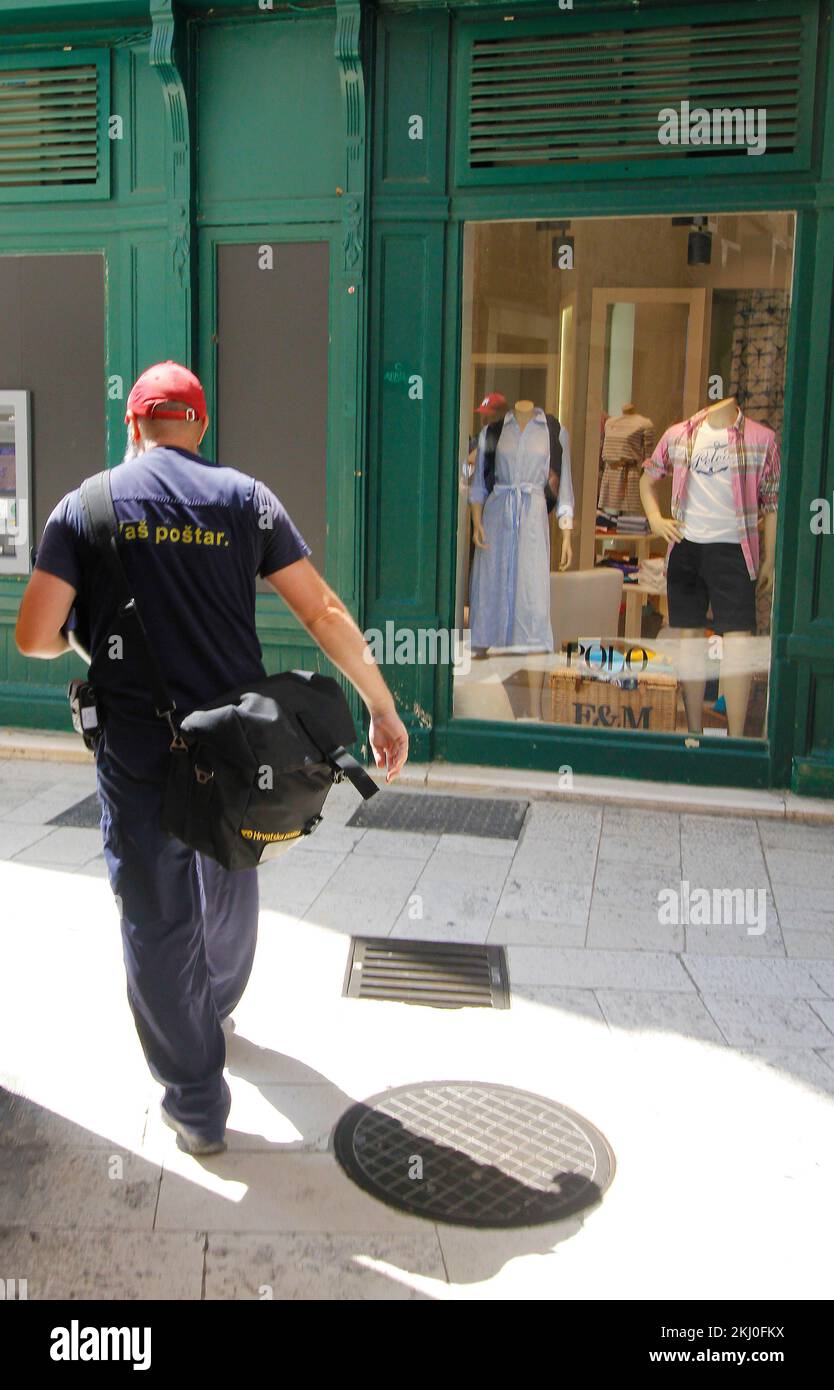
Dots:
(582, 700)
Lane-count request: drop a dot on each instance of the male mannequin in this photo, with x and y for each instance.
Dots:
(726, 471)
(510, 587)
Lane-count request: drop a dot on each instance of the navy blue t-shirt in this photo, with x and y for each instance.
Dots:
(193, 537)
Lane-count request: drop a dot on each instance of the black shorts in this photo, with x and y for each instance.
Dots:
(714, 574)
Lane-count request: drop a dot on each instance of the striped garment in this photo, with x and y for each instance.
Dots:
(628, 440)
(755, 466)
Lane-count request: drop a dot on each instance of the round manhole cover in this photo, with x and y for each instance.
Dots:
(473, 1154)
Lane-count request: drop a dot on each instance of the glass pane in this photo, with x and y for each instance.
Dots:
(622, 388)
(8, 489)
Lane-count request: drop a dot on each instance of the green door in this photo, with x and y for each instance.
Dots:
(266, 346)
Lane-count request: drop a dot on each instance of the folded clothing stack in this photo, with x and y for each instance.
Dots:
(629, 524)
(626, 568)
(650, 576)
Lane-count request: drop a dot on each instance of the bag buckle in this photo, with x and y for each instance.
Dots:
(202, 775)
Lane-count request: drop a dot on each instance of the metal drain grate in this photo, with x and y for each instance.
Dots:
(434, 973)
(473, 1154)
(442, 815)
(85, 815)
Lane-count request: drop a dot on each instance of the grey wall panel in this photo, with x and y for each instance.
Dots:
(272, 354)
(52, 344)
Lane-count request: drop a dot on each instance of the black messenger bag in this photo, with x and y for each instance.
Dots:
(249, 773)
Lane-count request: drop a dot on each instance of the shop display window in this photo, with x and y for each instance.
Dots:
(622, 398)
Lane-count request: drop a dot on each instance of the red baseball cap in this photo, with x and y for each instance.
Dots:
(167, 381)
(494, 401)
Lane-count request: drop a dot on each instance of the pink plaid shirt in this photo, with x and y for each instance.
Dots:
(755, 468)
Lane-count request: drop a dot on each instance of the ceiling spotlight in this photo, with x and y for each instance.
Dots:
(699, 245)
(560, 244)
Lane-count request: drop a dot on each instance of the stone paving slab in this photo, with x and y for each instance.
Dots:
(651, 970)
(683, 1014)
(317, 1266)
(564, 904)
(611, 927)
(524, 931)
(270, 1192)
(780, 979)
(794, 866)
(66, 847)
(732, 939)
(52, 1187)
(810, 944)
(756, 1021)
(810, 839)
(103, 1264)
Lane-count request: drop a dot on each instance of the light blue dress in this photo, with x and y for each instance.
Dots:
(509, 592)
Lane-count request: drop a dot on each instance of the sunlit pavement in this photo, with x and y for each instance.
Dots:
(705, 1054)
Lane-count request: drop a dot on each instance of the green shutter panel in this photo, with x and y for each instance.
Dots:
(53, 128)
(548, 95)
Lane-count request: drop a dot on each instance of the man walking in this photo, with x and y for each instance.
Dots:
(193, 537)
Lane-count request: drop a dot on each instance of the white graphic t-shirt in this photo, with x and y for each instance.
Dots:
(709, 507)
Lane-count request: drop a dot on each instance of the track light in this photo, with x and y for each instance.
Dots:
(699, 245)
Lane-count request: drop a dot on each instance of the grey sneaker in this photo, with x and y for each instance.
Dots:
(189, 1141)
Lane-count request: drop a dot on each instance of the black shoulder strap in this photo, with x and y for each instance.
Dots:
(493, 434)
(102, 530)
(555, 430)
(338, 755)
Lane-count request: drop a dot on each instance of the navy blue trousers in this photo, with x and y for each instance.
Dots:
(189, 929)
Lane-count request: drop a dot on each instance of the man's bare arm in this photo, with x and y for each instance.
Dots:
(44, 610)
(328, 621)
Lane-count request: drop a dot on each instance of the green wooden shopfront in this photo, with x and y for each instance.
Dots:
(355, 152)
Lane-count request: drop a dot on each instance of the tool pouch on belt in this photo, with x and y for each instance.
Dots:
(84, 711)
(249, 773)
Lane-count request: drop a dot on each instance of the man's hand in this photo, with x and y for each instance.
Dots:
(327, 620)
(389, 741)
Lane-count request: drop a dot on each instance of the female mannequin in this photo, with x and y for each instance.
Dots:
(510, 588)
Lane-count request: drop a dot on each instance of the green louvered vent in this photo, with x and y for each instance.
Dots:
(49, 126)
(552, 98)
